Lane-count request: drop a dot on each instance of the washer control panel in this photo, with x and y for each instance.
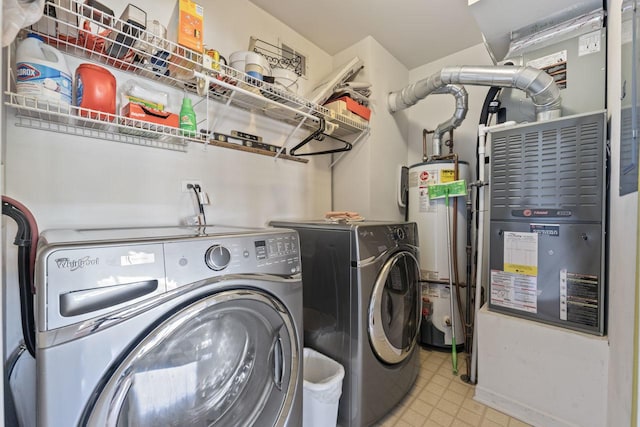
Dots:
(278, 249)
(189, 261)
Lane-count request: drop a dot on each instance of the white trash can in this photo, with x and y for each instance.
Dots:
(322, 389)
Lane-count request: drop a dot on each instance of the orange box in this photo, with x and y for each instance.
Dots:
(356, 108)
(188, 20)
(141, 112)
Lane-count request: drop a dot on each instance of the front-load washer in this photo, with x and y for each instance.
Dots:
(362, 307)
(169, 327)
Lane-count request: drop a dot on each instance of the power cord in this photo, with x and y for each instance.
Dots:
(197, 190)
(26, 239)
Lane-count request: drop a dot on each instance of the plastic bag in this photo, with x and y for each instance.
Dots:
(17, 14)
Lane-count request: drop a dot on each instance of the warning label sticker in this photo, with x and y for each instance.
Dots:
(447, 175)
(582, 298)
(425, 179)
(515, 291)
(425, 204)
(521, 253)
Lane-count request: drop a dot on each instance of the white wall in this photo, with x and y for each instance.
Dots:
(622, 246)
(365, 179)
(543, 375)
(2, 235)
(68, 181)
(352, 170)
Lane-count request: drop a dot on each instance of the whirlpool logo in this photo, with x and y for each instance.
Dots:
(74, 264)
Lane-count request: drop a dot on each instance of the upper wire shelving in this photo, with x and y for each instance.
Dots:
(144, 53)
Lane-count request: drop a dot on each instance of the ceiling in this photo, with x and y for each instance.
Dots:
(416, 32)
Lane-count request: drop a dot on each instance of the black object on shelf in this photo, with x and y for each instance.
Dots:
(319, 135)
(278, 56)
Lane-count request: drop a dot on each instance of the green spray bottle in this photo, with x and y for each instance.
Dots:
(188, 124)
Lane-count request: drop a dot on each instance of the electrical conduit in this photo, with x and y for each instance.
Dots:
(482, 134)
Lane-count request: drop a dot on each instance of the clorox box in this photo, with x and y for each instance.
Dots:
(188, 21)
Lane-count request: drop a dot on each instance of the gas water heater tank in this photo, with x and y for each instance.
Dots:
(431, 219)
(430, 215)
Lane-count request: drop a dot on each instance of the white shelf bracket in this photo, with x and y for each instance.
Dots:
(360, 137)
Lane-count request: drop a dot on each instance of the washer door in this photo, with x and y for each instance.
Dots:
(230, 359)
(394, 309)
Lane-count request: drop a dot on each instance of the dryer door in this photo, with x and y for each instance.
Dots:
(229, 359)
(394, 309)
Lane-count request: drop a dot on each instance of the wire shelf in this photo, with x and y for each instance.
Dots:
(62, 118)
(80, 30)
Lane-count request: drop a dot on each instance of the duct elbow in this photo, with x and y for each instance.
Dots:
(545, 95)
(392, 102)
(461, 96)
(540, 86)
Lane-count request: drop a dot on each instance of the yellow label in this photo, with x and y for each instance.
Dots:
(447, 175)
(527, 270)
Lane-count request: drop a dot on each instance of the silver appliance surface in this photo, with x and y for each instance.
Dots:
(362, 308)
(129, 320)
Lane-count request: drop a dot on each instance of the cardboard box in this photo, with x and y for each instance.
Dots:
(141, 112)
(187, 21)
(356, 108)
(339, 109)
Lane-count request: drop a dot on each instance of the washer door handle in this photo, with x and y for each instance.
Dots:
(278, 361)
(85, 301)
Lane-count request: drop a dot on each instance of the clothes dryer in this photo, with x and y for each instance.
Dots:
(362, 307)
(169, 326)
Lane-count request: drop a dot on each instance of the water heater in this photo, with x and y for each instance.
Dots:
(430, 215)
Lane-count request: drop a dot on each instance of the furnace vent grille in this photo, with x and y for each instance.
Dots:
(628, 156)
(556, 165)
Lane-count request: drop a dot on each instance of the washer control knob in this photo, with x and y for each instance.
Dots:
(399, 233)
(217, 257)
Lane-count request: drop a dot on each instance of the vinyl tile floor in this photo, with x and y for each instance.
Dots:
(441, 399)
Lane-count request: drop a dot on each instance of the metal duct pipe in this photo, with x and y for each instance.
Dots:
(460, 93)
(538, 84)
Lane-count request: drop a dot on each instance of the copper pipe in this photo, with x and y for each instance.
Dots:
(425, 132)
